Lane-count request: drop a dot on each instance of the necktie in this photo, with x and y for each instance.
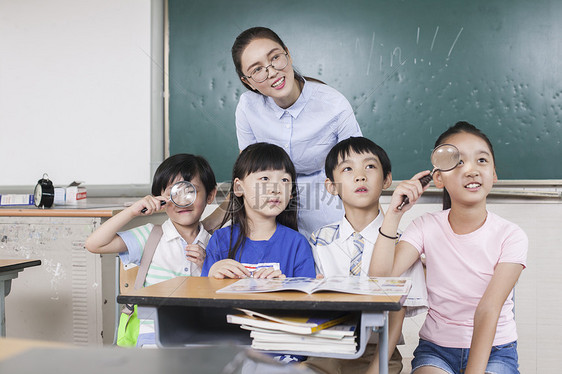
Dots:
(358, 245)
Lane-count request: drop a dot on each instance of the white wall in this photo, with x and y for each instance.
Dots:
(75, 91)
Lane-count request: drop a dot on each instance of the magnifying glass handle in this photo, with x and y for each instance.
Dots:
(426, 179)
(424, 182)
(161, 203)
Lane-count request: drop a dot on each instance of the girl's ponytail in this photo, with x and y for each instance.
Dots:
(446, 199)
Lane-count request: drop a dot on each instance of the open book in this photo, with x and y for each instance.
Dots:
(345, 284)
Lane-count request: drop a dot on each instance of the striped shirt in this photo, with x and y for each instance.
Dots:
(169, 261)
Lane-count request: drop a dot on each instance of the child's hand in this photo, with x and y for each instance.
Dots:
(411, 188)
(150, 203)
(228, 269)
(268, 273)
(196, 254)
(319, 276)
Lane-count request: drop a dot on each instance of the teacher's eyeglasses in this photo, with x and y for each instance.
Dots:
(261, 73)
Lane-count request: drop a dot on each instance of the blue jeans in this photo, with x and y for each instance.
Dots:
(503, 358)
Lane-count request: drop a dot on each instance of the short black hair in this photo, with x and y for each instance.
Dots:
(357, 144)
(188, 166)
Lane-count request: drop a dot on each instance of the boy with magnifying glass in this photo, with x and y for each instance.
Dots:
(357, 172)
(181, 247)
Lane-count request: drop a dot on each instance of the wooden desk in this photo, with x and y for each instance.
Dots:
(90, 207)
(10, 347)
(187, 310)
(9, 270)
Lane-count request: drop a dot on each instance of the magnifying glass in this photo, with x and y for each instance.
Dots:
(445, 157)
(182, 194)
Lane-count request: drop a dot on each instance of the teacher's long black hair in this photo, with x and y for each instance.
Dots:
(251, 34)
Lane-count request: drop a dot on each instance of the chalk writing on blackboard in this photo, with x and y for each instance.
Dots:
(371, 52)
(434, 36)
(455, 42)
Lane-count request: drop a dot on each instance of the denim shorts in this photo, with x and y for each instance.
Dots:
(503, 358)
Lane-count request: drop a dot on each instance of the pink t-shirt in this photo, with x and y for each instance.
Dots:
(459, 268)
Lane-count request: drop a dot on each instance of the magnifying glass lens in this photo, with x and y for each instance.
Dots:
(183, 194)
(445, 157)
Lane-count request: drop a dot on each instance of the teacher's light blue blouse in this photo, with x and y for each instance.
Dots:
(307, 130)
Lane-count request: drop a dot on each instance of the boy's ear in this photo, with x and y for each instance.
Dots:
(387, 181)
(438, 180)
(211, 196)
(495, 176)
(237, 188)
(331, 187)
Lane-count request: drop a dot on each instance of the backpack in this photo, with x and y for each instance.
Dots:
(129, 323)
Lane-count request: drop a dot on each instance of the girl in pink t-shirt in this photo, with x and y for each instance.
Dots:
(473, 259)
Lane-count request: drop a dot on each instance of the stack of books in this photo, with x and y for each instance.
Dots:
(323, 333)
(17, 199)
(288, 333)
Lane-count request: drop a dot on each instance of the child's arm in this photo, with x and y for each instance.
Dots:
(105, 238)
(268, 273)
(487, 315)
(390, 259)
(228, 269)
(303, 259)
(216, 265)
(233, 269)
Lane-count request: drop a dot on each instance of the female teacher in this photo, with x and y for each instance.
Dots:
(303, 116)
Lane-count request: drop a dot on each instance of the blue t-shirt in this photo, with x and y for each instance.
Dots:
(286, 250)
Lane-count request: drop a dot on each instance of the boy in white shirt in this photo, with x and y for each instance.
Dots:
(181, 248)
(357, 171)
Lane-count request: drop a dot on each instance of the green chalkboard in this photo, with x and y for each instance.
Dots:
(409, 68)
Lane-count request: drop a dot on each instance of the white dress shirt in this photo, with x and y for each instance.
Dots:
(332, 247)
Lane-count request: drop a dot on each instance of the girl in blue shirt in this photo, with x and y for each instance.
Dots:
(261, 240)
(303, 116)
